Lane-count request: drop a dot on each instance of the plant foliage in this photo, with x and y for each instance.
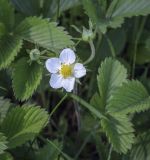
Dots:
(3, 143)
(44, 33)
(25, 85)
(23, 124)
(118, 97)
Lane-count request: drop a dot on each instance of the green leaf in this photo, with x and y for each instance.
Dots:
(55, 145)
(96, 101)
(28, 7)
(48, 152)
(120, 9)
(3, 143)
(4, 106)
(116, 12)
(50, 7)
(140, 150)
(44, 33)
(95, 9)
(6, 156)
(23, 123)
(26, 78)
(9, 48)
(111, 75)
(6, 14)
(119, 131)
(130, 8)
(131, 97)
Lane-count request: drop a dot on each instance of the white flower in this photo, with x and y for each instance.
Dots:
(64, 70)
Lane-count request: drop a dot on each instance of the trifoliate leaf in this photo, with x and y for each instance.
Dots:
(4, 106)
(26, 78)
(6, 14)
(9, 48)
(23, 123)
(111, 75)
(119, 131)
(131, 97)
(45, 34)
(3, 143)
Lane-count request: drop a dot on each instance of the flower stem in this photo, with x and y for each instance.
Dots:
(56, 107)
(92, 53)
(136, 44)
(109, 154)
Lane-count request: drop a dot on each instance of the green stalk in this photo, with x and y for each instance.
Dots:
(112, 49)
(136, 44)
(56, 107)
(92, 53)
(109, 154)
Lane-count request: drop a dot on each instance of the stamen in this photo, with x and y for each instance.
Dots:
(66, 70)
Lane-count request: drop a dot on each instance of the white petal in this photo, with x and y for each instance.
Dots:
(56, 81)
(79, 70)
(53, 65)
(67, 56)
(68, 84)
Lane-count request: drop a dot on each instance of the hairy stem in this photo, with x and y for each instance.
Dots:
(92, 53)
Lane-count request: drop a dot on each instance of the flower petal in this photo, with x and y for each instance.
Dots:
(68, 84)
(56, 81)
(53, 65)
(67, 56)
(79, 70)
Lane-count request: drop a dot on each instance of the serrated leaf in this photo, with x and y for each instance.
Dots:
(140, 150)
(23, 123)
(26, 78)
(131, 97)
(120, 9)
(6, 14)
(4, 106)
(95, 9)
(45, 34)
(119, 131)
(3, 143)
(130, 8)
(116, 12)
(9, 48)
(111, 75)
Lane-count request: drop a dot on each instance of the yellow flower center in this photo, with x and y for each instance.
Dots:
(66, 70)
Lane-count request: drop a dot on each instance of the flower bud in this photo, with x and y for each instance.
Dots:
(87, 35)
(34, 54)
